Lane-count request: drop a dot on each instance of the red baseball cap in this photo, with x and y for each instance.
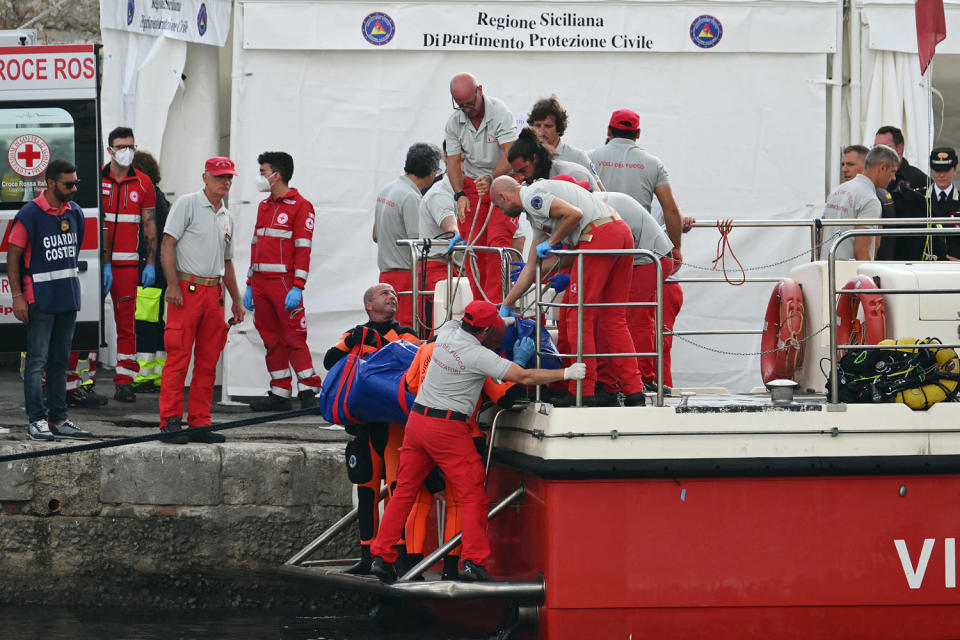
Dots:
(625, 120)
(566, 177)
(220, 167)
(482, 314)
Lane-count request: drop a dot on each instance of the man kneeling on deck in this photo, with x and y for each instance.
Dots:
(437, 435)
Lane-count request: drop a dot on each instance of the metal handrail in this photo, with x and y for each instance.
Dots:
(832, 284)
(505, 253)
(449, 545)
(579, 254)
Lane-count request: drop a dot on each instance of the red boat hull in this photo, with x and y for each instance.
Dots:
(765, 557)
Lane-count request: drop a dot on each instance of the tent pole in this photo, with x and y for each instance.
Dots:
(856, 80)
(836, 95)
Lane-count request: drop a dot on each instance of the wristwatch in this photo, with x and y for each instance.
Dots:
(458, 195)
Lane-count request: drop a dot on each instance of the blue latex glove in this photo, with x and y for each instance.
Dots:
(149, 276)
(107, 277)
(523, 350)
(559, 282)
(544, 248)
(293, 299)
(454, 241)
(506, 311)
(515, 271)
(248, 298)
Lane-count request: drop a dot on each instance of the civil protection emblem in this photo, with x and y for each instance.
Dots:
(378, 28)
(130, 9)
(706, 31)
(202, 19)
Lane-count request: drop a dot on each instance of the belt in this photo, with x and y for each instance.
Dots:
(586, 236)
(192, 279)
(439, 413)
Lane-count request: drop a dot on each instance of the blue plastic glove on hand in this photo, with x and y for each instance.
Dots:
(248, 298)
(523, 350)
(506, 311)
(559, 282)
(293, 299)
(107, 277)
(149, 276)
(544, 248)
(454, 241)
(515, 271)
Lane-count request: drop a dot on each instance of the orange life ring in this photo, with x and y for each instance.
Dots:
(850, 330)
(782, 341)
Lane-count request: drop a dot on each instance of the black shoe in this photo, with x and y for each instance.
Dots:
(474, 573)
(568, 399)
(409, 561)
(174, 427)
(145, 386)
(605, 398)
(383, 570)
(209, 437)
(651, 387)
(66, 429)
(362, 568)
(451, 566)
(91, 392)
(634, 399)
(125, 393)
(272, 402)
(308, 399)
(83, 399)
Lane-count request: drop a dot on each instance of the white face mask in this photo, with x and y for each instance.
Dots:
(262, 183)
(124, 157)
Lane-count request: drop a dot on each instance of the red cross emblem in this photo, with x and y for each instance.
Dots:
(28, 155)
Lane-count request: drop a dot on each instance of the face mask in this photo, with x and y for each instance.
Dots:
(124, 157)
(262, 183)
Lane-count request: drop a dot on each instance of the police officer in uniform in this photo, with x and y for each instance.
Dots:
(944, 199)
(436, 433)
(47, 234)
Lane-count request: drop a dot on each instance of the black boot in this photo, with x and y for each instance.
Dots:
(451, 566)
(362, 568)
(308, 399)
(383, 570)
(272, 402)
(474, 573)
(407, 562)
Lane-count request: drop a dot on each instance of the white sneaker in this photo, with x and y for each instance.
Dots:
(40, 430)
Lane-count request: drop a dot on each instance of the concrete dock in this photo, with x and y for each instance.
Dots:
(161, 526)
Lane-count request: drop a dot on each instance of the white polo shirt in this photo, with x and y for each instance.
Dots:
(480, 145)
(204, 235)
(396, 216)
(539, 196)
(570, 153)
(436, 205)
(856, 198)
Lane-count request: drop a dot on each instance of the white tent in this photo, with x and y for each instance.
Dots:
(748, 121)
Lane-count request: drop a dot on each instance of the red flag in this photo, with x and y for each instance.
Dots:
(931, 29)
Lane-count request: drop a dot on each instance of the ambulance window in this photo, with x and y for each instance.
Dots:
(32, 135)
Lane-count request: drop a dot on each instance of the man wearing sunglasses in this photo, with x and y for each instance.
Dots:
(47, 233)
(129, 203)
(479, 131)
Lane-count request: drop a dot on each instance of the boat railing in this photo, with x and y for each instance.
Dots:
(833, 293)
(418, 256)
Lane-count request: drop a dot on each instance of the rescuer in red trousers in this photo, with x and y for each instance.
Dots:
(437, 434)
(129, 203)
(197, 255)
(279, 266)
(566, 214)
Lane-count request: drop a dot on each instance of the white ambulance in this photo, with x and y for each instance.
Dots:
(49, 108)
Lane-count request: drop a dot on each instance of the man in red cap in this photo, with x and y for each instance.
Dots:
(625, 167)
(197, 254)
(437, 434)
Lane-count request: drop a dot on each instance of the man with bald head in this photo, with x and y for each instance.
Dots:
(561, 212)
(479, 131)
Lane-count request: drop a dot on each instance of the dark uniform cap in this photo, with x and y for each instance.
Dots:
(943, 158)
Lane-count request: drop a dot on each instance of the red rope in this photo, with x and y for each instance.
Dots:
(723, 245)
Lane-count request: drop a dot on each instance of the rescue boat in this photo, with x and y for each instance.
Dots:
(708, 514)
